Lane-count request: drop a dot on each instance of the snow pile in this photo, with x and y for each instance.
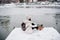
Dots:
(10, 5)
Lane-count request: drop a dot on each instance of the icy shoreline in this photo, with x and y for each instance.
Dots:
(24, 5)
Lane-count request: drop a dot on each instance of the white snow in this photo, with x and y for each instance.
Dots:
(45, 34)
(32, 5)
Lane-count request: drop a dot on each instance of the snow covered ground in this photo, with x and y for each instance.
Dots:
(45, 34)
(32, 5)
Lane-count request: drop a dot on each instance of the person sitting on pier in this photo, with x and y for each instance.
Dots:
(28, 25)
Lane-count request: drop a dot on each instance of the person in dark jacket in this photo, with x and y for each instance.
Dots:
(23, 26)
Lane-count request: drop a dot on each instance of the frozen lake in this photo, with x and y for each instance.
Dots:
(19, 14)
